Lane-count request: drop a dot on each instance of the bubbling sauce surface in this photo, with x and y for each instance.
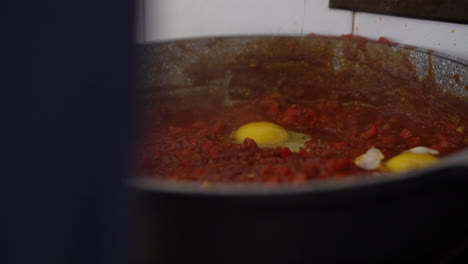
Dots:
(197, 144)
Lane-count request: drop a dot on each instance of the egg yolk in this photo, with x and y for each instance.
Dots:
(262, 133)
(409, 160)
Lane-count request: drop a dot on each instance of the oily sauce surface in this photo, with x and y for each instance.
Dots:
(195, 144)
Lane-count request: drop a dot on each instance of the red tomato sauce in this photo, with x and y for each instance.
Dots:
(194, 145)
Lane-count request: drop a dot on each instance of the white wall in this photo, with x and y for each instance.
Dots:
(173, 19)
(444, 37)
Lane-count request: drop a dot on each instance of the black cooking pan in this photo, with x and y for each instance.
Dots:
(414, 217)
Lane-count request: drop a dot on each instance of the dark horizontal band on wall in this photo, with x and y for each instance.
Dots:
(440, 10)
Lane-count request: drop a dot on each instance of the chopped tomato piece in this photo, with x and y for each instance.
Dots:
(370, 132)
(405, 133)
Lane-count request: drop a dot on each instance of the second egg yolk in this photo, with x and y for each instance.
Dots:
(408, 161)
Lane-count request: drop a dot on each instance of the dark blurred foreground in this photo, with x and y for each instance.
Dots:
(67, 92)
